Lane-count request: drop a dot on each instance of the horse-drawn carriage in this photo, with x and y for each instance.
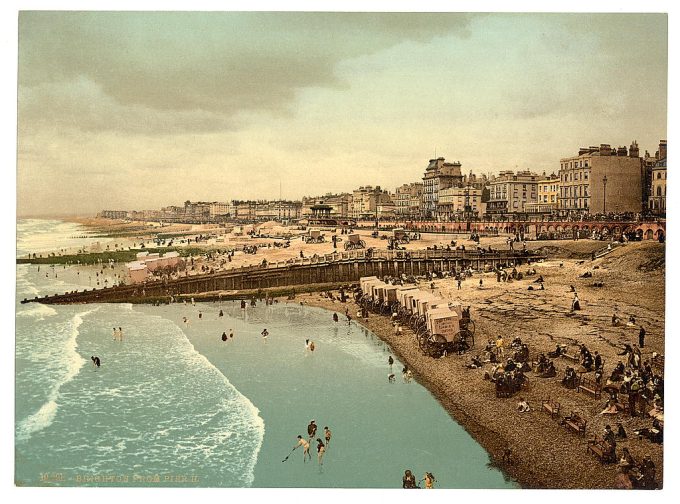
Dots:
(399, 235)
(314, 236)
(354, 242)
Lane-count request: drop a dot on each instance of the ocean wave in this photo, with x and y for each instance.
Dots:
(219, 437)
(37, 310)
(72, 364)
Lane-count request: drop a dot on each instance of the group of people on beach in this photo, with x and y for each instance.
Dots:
(321, 446)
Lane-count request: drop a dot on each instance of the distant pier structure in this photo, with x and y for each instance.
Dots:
(337, 268)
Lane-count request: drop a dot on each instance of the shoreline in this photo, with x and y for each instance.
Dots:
(545, 455)
(483, 435)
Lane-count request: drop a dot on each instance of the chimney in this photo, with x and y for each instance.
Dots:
(582, 151)
(605, 150)
(662, 149)
(634, 150)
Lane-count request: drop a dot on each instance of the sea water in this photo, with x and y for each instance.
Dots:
(172, 404)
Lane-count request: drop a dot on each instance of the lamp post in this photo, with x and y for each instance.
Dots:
(604, 186)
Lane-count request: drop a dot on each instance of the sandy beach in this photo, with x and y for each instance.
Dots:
(545, 454)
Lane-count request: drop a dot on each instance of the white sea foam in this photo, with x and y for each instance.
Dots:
(222, 436)
(37, 310)
(72, 364)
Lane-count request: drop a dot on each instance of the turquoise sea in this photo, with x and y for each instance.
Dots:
(174, 405)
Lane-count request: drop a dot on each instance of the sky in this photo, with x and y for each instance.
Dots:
(139, 110)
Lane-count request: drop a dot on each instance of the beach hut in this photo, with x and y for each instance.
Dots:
(408, 299)
(443, 321)
(378, 290)
(369, 288)
(415, 298)
(364, 280)
(402, 292)
(390, 293)
(137, 271)
(425, 302)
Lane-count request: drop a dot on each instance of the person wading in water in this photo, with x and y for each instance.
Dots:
(305, 448)
(409, 480)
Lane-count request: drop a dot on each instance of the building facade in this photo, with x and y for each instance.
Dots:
(602, 180)
(548, 196)
(365, 201)
(408, 200)
(113, 214)
(657, 201)
(438, 175)
(459, 203)
(341, 204)
(510, 193)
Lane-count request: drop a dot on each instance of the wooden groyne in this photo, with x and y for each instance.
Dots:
(341, 267)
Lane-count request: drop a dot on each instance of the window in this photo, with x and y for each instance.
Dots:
(658, 190)
(658, 175)
(514, 204)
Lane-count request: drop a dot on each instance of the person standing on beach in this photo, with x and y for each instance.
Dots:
(265, 333)
(499, 346)
(459, 283)
(305, 448)
(327, 435)
(641, 337)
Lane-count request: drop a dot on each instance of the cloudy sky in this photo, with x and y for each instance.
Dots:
(140, 110)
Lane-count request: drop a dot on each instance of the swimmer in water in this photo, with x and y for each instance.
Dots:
(96, 362)
(327, 435)
(224, 336)
(265, 333)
